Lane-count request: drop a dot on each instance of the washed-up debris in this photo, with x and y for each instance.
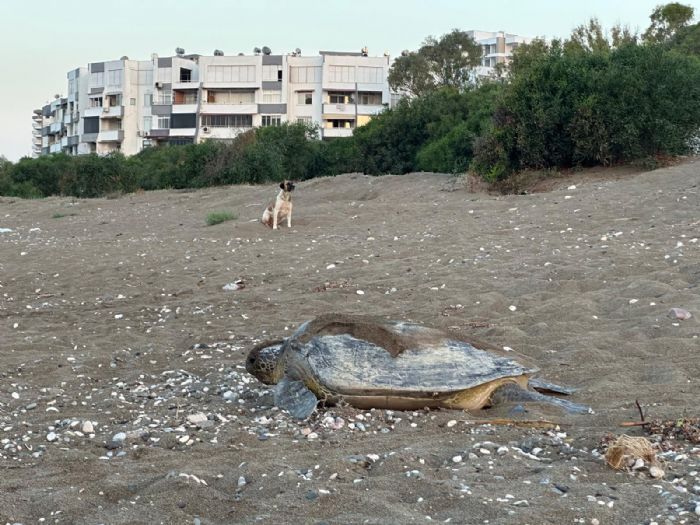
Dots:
(679, 314)
(633, 453)
(235, 285)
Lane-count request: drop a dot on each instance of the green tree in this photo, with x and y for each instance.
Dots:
(444, 62)
(667, 20)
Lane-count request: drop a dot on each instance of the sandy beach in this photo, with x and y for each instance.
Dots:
(124, 399)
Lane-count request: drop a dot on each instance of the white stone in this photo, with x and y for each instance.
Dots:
(87, 427)
(456, 459)
(656, 472)
(197, 418)
(51, 436)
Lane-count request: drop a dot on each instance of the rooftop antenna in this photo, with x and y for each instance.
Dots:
(218, 53)
(365, 51)
(266, 50)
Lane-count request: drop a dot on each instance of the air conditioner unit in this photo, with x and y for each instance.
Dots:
(159, 84)
(105, 109)
(205, 129)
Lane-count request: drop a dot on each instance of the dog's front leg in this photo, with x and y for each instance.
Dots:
(275, 215)
(289, 216)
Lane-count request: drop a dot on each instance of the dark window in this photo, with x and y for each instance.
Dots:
(183, 120)
(91, 125)
(185, 75)
(180, 141)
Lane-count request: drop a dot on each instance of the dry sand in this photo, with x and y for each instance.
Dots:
(115, 314)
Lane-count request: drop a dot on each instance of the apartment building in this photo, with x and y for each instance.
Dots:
(497, 48)
(126, 105)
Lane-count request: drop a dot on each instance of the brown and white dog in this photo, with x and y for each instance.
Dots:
(281, 208)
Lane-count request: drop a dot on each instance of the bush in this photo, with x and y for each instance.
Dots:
(217, 217)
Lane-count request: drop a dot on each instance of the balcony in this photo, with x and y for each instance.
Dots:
(55, 148)
(114, 135)
(337, 132)
(55, 127)
(212, 108)
(112, 112)
(184, 108)
(186, 84)
(93, 112)
(210, 132)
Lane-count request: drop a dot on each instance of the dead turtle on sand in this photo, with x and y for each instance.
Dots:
(391, 364)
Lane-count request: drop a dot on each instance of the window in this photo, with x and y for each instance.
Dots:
(231, 73)
(271, 120)
(305, 75)
(272, 97)
(370, 75)
(95, 102)
(227, 121)
(341, 73)
(147, 123)
(304, 120)
(148, 99)
(185, 75)
(145, 77)
(165, 74)
(97, 79)
(163, 123)
(71, 86)
(272, 73)
(230, 97)
(132, 101)
(114, 77)
(305, 98)
(340, 98)
(183, 120)
(339, 123)
(370, 99)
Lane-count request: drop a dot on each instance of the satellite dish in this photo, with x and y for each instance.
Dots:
(297, 51)
(124, 58)
(257, 50)
(241, 54)
(218, 53)
(266, 50)
(57, 96)
(179, 51)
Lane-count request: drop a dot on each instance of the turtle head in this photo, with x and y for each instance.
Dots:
(265, 361)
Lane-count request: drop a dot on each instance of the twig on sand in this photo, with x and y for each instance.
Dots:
(530, 423)
(641, 413)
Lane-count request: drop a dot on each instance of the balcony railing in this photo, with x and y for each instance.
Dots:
(163, 100)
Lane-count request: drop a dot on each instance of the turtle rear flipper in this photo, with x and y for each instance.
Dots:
(545, 387)
(294, 397)
(513, 392)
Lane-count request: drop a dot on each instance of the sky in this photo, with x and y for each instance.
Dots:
(44, 39)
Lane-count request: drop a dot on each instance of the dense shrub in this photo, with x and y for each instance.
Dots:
(567, 106)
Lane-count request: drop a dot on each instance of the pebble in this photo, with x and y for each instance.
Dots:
(88, 428)
(242, 482)
(197, 418)
(502, 451)
(680, 314)
(656, 472)
(51, 436)
(119, 437)
(457, 459)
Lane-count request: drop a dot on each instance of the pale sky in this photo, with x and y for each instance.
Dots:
(43, 39)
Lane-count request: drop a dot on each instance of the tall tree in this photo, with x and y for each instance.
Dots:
(592, 37)
(447, 61)
(667, 20)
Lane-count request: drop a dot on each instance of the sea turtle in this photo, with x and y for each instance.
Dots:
(391, 364)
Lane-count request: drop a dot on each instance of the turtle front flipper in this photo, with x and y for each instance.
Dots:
(294, 397)
(514, 392)
(544, 386)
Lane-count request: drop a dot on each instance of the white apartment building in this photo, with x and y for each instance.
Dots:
(497, 48)
(126, 105)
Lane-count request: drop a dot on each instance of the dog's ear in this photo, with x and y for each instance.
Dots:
(282, 184)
